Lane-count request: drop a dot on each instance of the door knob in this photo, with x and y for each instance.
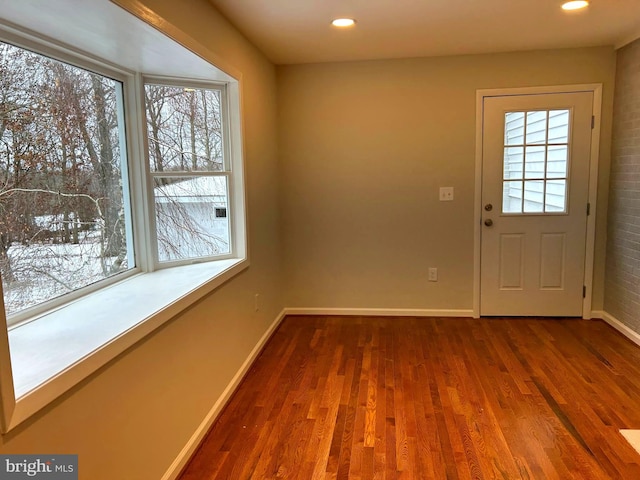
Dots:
(488, 222)
(488, 207)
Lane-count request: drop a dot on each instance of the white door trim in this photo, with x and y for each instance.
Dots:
(596, 88)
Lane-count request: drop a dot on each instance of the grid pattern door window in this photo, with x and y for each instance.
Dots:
(536, 162)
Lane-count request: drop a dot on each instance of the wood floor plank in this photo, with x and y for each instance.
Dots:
(364, 398)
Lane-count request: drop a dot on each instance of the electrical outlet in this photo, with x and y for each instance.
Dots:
(433, 274)
(446, 194)
(256, 302)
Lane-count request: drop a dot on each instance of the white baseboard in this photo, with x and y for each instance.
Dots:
(184, 456)
(380, 312)
(633, 437)
(618, 325)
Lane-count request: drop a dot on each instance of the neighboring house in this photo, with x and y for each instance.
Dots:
(200, 205)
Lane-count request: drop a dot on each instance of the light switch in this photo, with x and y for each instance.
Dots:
(446, 194)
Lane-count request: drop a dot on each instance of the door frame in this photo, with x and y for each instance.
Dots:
(596, 89)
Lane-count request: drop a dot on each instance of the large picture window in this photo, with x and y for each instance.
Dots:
(121, 192)
(63, 224)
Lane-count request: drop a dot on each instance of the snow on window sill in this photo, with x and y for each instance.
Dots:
(57, 351)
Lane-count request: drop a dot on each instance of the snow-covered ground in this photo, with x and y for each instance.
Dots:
(43, 271)
(191, 220)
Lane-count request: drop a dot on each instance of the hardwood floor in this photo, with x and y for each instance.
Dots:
(423, 398)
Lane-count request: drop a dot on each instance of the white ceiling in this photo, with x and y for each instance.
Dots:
(299, 31)
(104, 31)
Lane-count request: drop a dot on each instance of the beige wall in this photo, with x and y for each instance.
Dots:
(131, 419)
(364, 147)
(622, 292)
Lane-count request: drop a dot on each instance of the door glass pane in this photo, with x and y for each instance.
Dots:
(514, 128)
(512, 197)
(557, 161)
(559, 126)
(533, 195)
(513, 160)
(556, 196)
(536, 127)
(534, 164)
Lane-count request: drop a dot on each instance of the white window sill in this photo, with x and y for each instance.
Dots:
(55, 352)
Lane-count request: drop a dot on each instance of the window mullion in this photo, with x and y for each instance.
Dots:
(124, 167)
(143, 219)
(188, 173)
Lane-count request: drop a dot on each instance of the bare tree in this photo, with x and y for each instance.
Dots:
(62, 216)
(60, 179)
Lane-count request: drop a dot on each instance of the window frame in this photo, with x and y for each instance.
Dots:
(544, 178)
(227, 172)
(126, 140)
(197, 279)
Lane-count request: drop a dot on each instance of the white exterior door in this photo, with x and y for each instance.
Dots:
(535, 187)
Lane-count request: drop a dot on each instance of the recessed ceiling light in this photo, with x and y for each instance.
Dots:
(343, 22)
(575, 5)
